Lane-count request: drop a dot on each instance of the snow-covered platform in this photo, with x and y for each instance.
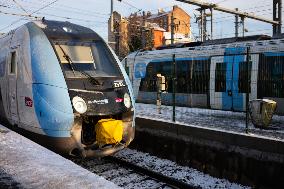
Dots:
(25, 164)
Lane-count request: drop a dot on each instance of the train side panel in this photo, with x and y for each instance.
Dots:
(52, 103)
(25, 105)
(4, 53)
(227, 83)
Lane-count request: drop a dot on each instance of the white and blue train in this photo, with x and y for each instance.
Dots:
(212, 74)
(57, 80)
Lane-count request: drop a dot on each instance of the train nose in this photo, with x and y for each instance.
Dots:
(53, 110)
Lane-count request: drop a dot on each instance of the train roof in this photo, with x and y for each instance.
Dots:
(66, 30)
(217, 41)
(260, 42)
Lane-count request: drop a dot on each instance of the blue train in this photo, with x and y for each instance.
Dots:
(58, 80)
(212, 74)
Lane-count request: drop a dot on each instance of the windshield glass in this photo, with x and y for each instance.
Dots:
(78, 54)
(94, 59)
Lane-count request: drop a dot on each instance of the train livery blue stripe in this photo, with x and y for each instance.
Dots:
(274, 53)
(51, 99)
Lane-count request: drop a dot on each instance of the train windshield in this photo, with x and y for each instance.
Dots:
(87, 60)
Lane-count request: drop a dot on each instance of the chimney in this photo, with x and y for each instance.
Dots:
(161, 11)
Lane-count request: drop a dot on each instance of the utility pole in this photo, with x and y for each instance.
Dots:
(277, 16)
(236, 24)
(111, 7)
(203, 24)
(172, 28)
(143, 31)
(211, 24)
(111, 16)
(276, 22)
(174, 88)
(243, 24)
(248, 88)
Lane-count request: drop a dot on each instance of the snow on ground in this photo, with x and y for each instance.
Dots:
(33, 166)
(171, 169)
(6, 181)
(217, 119)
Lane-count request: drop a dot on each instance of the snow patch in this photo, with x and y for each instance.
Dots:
(171, 169)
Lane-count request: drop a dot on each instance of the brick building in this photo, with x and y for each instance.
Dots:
(118, 34)
(149, 27)
(181, 24)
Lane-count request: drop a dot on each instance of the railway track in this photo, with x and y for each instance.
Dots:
(130, 175)
(169, 181)
(133, 169)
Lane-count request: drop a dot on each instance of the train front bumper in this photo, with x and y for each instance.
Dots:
(95, 150)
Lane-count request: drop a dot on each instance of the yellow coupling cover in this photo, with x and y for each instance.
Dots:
(109, 131)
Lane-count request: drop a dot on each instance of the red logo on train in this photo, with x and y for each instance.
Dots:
(28, 102)
(118, 99)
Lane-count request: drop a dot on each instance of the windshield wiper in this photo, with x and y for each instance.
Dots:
(69, 60)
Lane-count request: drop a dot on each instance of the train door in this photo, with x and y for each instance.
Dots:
(228, 83)
(12, 84)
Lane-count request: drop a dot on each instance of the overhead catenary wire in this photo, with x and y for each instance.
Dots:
(69, 11)
(16, 21)
(20, 6)
(129, 4)
(17, 14)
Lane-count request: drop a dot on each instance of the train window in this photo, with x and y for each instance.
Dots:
(183, 76)
(220, 77)
(192, 76)
(200, 76)
(272, 42)
(106, 64)
(77, 54)
(95, 59)
(271, 76)
(243, 83)
(166, 69)
(148, 84)
(13, 62)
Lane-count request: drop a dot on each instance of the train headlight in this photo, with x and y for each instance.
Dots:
(127, 100)
(79, 105)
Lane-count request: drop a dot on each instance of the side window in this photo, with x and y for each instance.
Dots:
(13, 63)
(183, 79)
(243, 83)
(271, 76)
(220, 77)
(200, 76)
(148, 83)
(166, 69)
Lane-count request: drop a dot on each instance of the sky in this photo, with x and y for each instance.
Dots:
(95, 13)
